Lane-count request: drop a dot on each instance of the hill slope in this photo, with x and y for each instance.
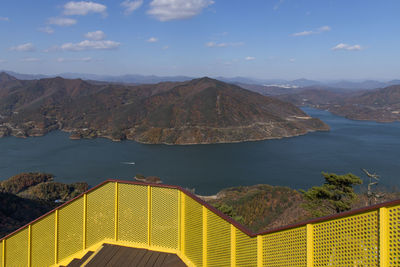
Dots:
(382, 105)
(26, 196)
(194, 112)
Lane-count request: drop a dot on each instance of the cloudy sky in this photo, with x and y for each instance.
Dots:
(287, 39)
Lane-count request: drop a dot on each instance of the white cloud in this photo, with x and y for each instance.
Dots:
(30, 59)
(28, 47)
(89, 45)
(303, 33)
(51, 49)
(324, 29)
(165, 47)
(47, 29)
(62, 21)
(278, 4)
(214, 44)
(96, 35)
(347, 47)
(83, 59)
(83, 8)
(131, 6)
(152, 40)
(317, 31)
(249, 58)
(4, 19)
(165, 10)
(292, 60)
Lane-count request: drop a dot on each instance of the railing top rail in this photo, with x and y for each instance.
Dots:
(219, 213)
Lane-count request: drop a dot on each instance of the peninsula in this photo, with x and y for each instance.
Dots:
(200, 111)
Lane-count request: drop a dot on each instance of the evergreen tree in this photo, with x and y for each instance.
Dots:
(228, 210)
(335, 195)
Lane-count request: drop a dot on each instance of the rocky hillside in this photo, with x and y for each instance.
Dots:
(381, 105)
(265, 207)
(15, 212)
(41, 186)
(27, 196)
(194, 112)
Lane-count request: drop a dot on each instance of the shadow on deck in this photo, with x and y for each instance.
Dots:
(112, 255)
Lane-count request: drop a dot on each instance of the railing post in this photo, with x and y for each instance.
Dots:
(384, 237)
(3, 251)
(56, 237)
(84, 220)
(233, 246)
(205, 236)
(29, 245)
(149, 215)
(310, 245)
(260, 260)
(182, 222)
(116, 212)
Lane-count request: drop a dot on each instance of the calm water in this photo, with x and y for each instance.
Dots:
(296, 162)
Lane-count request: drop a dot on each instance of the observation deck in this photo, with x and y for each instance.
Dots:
(160, 219)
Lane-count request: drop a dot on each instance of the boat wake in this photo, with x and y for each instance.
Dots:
(128, 163)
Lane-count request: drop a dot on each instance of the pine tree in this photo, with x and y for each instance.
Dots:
(335, 195)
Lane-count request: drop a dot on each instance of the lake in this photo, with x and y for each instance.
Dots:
(296, 162)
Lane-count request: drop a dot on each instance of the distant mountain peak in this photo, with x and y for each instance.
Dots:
(5, 77)
(200, 111)
(204, 79)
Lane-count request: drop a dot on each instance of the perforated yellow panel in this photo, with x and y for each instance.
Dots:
(394, 236)
(1, 253)
(132, 213)
(350, 241)
(246, 249)
(285, 248)
(43, 241)
(164, 219)
(70, 232)
(193, 231)
(218, 241)
(17, 249)
(100, 214)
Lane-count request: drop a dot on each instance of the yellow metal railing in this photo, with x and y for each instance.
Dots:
(169, 219)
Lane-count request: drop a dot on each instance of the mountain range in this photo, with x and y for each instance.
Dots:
(199, 111)
(150, 79)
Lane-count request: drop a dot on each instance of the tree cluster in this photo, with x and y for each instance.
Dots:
(334, 196)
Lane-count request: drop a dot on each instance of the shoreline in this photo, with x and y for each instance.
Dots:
(163, 143)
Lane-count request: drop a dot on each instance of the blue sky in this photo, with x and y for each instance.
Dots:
(266, 39)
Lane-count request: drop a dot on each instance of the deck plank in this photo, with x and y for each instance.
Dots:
(79, 262)
(125, 261)
(113, 255)
(123, 253)
(160, 260)
(136, 260)
(153, 258)
(104, 255)
(173, 261)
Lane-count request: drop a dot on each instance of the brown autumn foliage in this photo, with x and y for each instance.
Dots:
(193, 112)
(27, 196)
(381, 105)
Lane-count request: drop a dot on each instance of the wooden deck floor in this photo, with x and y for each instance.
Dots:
(112, 255)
